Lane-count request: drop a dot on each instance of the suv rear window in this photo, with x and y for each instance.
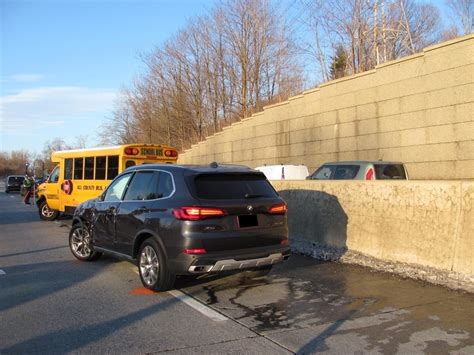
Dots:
(233, 186)
(390, 171)
(16, 180)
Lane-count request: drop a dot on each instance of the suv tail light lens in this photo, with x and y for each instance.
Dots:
(278, 209)
(197, 213)
(369, 175)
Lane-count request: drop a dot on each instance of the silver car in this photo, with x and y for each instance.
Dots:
(360, 170)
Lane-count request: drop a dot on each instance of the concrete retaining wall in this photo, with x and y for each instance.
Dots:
(419, 110)
(425, 223)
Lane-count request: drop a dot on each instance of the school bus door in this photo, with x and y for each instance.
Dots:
(52, 188)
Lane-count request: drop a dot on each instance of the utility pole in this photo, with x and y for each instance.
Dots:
(376, 43)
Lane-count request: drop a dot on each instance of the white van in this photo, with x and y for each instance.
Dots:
(284, 172)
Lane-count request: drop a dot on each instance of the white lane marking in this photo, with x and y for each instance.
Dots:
(2, 272)
(198, 306)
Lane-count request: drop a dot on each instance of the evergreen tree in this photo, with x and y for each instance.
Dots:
(338, 67)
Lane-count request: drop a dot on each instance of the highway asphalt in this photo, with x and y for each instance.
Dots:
(52, 303)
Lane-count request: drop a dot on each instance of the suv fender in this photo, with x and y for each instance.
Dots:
(142, 236)
(77, 220)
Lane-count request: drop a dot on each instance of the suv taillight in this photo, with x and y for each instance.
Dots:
(278, 209)
(369, 175)
(197, 213)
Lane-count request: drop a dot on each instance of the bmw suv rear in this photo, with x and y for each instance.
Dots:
(184, 220)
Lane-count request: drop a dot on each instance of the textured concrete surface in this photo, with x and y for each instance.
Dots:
(419, 110)
(413, 222)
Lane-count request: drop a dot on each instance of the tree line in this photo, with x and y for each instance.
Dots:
(245, 54)
(221, 67)
(21, 162)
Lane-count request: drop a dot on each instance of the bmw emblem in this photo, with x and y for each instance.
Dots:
(249, 208)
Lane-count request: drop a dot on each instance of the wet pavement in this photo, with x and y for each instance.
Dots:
(309, 306)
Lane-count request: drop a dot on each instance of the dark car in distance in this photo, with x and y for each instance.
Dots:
(13, 183)
(184, 220)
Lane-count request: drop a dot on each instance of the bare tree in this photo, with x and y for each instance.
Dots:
(49, 147)
(371, 31)
(221, 67)
(463, 10)
(13, 162)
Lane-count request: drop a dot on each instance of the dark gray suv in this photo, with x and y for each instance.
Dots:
(184, 220)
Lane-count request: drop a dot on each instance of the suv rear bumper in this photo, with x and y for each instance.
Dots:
(228, 261)
(232, 264)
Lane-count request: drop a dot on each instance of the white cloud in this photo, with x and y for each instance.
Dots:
(28, 78)
(53, 106)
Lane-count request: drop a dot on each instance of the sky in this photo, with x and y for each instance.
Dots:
(64, 62)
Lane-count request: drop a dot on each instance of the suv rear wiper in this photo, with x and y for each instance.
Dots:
(253, 196)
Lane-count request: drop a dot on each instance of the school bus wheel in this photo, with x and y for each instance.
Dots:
(45, 213)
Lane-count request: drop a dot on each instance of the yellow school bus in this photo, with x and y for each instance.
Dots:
(83, 174)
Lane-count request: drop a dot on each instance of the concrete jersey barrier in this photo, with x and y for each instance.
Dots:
(426, 223)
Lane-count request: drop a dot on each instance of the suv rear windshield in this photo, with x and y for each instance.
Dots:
(389, 171)
(15, 180)
(233, 186)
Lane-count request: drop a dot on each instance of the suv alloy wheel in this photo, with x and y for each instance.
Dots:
(80, 244)
(152, 267)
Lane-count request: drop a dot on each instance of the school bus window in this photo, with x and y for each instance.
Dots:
(100, 168)
(129, 163)
(89, 168)
(78, 168)
(112, 166)
(54, 177)
(68, 169)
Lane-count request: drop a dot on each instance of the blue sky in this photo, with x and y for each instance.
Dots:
(64, 62)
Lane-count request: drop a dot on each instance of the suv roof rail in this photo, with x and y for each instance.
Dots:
(215, 165)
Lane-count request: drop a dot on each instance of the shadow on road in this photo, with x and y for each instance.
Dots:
(33, 251)
(318, 344)
(33, 281)
(67, 340)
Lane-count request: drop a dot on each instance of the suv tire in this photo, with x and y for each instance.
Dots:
(45, 213)
(80, 243)
(152, 267)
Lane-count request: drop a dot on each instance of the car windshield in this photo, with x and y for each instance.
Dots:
(233, 186)
(390, 171)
